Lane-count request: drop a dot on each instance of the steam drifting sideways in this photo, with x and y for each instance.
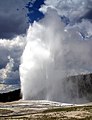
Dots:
(54, 51)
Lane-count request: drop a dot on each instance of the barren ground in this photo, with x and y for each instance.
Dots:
(44, 110)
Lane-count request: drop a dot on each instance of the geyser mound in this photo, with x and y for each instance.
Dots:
(53, 51)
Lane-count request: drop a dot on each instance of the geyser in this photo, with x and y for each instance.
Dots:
(53, 51)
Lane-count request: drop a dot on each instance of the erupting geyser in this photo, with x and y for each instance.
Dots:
(53, 51)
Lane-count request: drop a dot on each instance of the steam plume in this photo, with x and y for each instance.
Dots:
(52, 52)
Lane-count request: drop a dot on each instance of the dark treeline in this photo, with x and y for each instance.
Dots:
(10, 96)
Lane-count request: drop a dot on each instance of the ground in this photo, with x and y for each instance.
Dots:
(44, 110)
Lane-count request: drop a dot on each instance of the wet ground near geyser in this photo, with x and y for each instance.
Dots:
(44, 110)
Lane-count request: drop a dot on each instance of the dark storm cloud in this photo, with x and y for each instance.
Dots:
(88, 15)
(13, 20)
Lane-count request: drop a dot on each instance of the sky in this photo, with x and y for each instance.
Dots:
(13, 23)
(15, 17)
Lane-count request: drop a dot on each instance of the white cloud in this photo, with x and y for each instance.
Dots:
(4, 72)
(73, 9)
(10, 53)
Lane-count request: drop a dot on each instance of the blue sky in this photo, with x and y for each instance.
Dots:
(33, 10)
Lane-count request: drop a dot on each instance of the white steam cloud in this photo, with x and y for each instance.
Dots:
(54, 51)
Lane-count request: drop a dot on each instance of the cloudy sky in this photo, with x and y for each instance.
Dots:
(13, 23)
(13, 19)
(15, 16)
